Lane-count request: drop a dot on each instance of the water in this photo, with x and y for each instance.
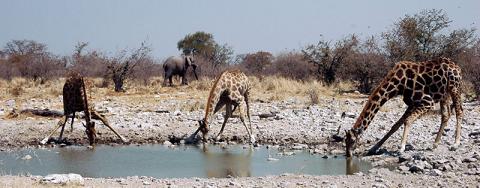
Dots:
(182, 161)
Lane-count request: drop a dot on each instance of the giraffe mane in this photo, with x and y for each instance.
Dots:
(211, 96)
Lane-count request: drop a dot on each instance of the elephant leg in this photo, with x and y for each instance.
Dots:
(170, 80)
(184, 79)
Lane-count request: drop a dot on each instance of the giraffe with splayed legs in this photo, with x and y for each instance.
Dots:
(231, 89)
(75, 100)
(422, 84)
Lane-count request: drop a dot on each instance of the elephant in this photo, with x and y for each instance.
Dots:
(175, 65)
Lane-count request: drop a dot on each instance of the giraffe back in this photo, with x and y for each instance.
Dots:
(413, 80)
(73, 94)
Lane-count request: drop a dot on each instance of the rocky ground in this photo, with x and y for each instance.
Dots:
(158, 118)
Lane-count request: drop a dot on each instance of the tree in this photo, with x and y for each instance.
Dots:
(30, 59)
(256, 63)
(201, 41)
(121, 67)
(221, 55)
(367, 65)
(210, 56)
(88, 63)
(419, 37)
(328, 58)
(292, 65)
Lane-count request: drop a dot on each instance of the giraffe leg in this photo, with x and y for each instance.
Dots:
(228, 114)
(242, 118)
(71, 124)
(59, 124)
(457, 102)
(444, 109)
(245, 96)
(96, 115)
(426, 105)
(394, 129)
(63, 127)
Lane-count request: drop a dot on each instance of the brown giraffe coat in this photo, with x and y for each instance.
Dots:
(422, 85)
(75, 99)
(231, 89)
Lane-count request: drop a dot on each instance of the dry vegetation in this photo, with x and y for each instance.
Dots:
(266, 89)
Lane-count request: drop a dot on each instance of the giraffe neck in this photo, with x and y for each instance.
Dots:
(213, 99)
(380, 95)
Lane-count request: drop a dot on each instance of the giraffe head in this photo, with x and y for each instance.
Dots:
(90, 131)
(203, 128)
(350, 142)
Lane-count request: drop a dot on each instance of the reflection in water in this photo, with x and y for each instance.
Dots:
(227, 163)
(352, 166)
(76, 160)
(181, 161)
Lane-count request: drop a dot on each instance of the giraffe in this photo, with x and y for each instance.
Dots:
(230, 89)
(75, 100)
(422, 84)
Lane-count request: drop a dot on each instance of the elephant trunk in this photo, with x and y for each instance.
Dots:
(194, 66)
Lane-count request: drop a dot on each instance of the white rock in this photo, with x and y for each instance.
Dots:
(10, 103)
(27, 157)
(167, 143)
(272, 159)
(64, 179)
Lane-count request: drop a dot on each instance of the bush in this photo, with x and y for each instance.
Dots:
(292, 65)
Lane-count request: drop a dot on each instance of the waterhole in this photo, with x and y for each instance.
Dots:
(182, 161)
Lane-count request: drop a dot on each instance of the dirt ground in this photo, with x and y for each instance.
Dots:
(279, 117)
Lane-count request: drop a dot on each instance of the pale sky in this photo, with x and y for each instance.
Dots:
(246, 25)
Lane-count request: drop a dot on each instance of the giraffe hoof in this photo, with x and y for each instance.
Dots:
(44, 141)
(252, 140)
(454, 147)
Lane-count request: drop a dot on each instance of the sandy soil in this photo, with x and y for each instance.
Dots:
(155, 118)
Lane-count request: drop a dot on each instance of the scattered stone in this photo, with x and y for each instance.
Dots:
(272, 159)
(287, 153)
(167, 143)
(10, 103)
(403, 158)
(379, 185)
(26, 157)
(146, 183)
(299, 146)
(403, 168)
(436, 172)
(417, 168)
(63, 179)
(348, 114)
(122, 181)
(469, 160)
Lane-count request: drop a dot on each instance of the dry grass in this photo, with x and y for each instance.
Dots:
(195, 94)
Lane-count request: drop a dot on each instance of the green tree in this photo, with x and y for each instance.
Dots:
(201, 41)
